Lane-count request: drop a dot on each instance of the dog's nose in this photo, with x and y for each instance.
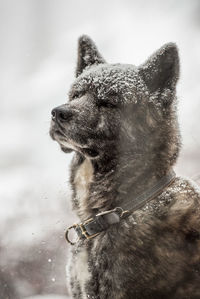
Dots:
(61, 114)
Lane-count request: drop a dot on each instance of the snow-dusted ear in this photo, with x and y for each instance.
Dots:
(87, 54)
(161, 70)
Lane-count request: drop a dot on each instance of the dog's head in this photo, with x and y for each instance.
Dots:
(119, 108)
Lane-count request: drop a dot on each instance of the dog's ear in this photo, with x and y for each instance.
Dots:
(161, 70)
(87, 54)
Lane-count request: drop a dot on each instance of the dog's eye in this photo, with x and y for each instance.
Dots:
(77, 94)
(106, 104)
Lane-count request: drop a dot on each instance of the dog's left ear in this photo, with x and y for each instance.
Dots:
(87, 54)
(161, 70)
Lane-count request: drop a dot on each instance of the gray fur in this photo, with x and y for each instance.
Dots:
(121, 122)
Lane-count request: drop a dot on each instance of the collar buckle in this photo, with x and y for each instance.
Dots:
(81, 228)
(84, 231)
(67, 234)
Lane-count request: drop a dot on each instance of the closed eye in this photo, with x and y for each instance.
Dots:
(77, 95)
(106, 104)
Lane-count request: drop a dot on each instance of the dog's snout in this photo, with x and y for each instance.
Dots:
(61, 114)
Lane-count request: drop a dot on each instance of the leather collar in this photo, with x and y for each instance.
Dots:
(92, 227)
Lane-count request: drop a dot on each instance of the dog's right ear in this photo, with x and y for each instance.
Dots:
(161, 70)
(87, 54)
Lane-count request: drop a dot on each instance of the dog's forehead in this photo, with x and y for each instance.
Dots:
(109, 79)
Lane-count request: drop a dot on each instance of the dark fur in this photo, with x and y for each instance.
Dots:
(121, 122)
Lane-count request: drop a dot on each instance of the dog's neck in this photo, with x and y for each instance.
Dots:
(102, 185)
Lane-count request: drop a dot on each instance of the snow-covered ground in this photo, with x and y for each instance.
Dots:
(38, 46)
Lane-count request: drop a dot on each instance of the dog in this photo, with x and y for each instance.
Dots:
(120, 121)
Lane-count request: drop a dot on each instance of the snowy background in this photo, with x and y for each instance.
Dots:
(38, 54)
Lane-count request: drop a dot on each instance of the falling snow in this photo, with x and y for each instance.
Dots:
(38, 64)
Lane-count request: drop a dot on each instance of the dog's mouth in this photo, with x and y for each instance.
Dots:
(92, 153)
(57, 134)
(68, 145)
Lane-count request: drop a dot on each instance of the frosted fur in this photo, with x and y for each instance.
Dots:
(118, 81)
(121, 122)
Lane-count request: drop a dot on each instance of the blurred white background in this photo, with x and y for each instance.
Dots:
(38, 57)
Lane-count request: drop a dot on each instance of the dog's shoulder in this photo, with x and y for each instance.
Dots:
(186, 192)
(176, 211)
(185, 209)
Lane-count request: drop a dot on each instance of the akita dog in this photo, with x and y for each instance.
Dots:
(139, 230)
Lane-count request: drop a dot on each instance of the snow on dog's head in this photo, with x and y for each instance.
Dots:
(120, 109)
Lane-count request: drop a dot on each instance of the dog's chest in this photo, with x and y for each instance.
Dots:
(82, 180)
(79, 272)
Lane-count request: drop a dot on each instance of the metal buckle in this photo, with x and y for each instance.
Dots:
(67, 234)
(83, 230)
(118, 210)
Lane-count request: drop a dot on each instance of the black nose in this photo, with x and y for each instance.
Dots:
(61, 114)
